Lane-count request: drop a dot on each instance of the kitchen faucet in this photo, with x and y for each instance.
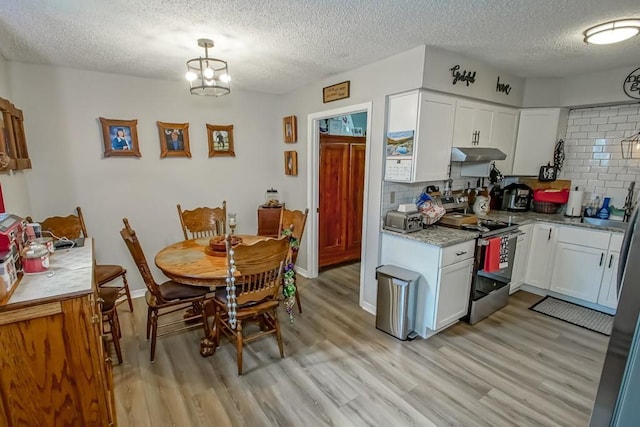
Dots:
(628, 202)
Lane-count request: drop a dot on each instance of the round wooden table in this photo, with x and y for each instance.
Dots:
(186, 262)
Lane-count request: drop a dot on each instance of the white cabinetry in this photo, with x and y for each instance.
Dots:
(586, 265)
(473, 124)
(538, 132)
(430, 116)
(503, 136)
(540, 255)
(519, 271)
(445, 282)
(485, 125)
(608, 295)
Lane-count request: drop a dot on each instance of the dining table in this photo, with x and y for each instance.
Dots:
(191, 262)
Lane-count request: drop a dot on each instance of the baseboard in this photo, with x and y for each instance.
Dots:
(137, 293)
(368, 308)
(301, 271)
(534, 290)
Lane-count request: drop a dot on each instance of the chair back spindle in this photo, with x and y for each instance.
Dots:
(203, 221)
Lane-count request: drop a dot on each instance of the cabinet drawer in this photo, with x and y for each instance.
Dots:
(457, 253)
(582, 237)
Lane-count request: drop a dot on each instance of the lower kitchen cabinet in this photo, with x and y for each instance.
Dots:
(608, 295)
(543, 241)
(519, 271)
(454, 282)
(443, 290)
(577, 271)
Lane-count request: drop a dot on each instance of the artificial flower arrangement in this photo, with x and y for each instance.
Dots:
(289, 286)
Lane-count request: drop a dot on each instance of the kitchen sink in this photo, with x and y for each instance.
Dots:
(605, 222)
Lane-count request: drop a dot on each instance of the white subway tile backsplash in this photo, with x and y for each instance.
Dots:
(589, 128)
(603, 167)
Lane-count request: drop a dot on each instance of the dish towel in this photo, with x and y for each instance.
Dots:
(492, 255)
(504, 252)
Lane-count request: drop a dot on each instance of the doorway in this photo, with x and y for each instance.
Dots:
(314, 122)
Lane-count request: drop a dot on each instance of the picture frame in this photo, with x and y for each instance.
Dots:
(120, 138)
(220, 140)
(291, 163)
(289, 129)
(174, 139)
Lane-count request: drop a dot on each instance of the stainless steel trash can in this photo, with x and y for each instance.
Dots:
(396, 303)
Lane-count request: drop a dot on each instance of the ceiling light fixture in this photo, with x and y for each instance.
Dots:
(208, 76)
(612, 32)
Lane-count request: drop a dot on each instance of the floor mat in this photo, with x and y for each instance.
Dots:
(581, 316)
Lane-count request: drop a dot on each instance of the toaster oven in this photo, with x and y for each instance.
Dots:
(403, 222)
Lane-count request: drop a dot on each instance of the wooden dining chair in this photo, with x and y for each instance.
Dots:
(110, 321)
(203, 222)
(72, 227)
(166, 298)
(295, 221)
(257, 286)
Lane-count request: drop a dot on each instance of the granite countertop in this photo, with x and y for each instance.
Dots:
(441, 236)
(70, 272)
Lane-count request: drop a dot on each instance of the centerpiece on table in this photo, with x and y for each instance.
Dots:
(217, 245)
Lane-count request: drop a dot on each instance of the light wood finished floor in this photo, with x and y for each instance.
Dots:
(516, 368)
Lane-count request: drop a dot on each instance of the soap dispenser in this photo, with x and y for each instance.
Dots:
(603, 213)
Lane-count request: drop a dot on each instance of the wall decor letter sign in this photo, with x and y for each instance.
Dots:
(465, 76)
(631, 84)
(502, 87)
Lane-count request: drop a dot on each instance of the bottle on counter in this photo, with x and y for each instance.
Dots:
(603, 212)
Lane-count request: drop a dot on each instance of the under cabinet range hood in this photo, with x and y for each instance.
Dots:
(476, 154)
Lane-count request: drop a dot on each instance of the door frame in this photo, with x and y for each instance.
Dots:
(313, 180)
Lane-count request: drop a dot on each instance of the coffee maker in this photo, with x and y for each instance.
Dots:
(516, 197)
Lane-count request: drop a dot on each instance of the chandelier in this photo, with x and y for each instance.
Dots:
(208, 76)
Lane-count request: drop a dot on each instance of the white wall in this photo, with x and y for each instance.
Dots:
(62, 107)
(371, 83)
(438, 76)
(584, 90)
(14, 184)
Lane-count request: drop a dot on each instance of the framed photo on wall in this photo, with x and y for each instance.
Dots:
(291, 163)
(220, 140)
(289, 125)
(174, 139)
(120, 138)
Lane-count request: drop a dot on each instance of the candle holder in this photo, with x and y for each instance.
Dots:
(232, 222)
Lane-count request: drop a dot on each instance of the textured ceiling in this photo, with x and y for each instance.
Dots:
(276, 46)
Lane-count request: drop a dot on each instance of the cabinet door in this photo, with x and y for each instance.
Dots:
(577, 271)
(472, 118)
(540, 253)
(520, 263)
(435, 133)
(538, 131)
(608, 295)
(503, 137)
(453, 292)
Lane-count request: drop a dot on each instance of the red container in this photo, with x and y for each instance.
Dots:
(552, 196)
(35, 258)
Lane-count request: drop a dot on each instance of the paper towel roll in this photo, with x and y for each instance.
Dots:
(574, 204)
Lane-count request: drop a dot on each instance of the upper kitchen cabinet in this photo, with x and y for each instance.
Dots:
(478, 124)
(538, 132)
(419, 135)
(472, 124)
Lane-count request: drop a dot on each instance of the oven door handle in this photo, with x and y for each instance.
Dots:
(513, 235)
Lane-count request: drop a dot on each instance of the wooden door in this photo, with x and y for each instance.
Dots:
(355, 200)
(341, 182)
